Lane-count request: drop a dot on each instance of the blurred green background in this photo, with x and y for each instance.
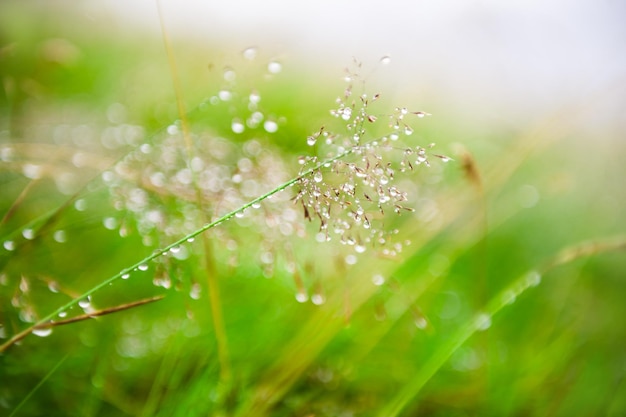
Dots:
(94, 177)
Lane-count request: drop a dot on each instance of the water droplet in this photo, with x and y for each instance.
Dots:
(350, 259)
(482, 321)
(110, 223)
(250, 53)
(318, 299)
(320, 237)
(267, 257)
(301, 297)
(465, 359)
(378, 280)
(225, 95)
(180, 252)
(53, 286)
(256, 205)
(60, 236)
(63, 314)
(270, 126)
(24, 285)
(229, 74)
(318, 177)
(28, 234)
(143, 267)
(172, 129)
(394, 136)
(80, 204)
(42, 332)
(125, 276)
(274, 67)
(32, 171)
(408, 130)
(385, 60)
(533, 279)
(85, 302)
(9, 245)
(311, 140)
(254, 97)
(27, 316)
(359, 248)
(191, 239)
(508, 297)
(421, 323)
(237, 126)
(239, 214)
(195, 291)
(252, 122)
(164, 282)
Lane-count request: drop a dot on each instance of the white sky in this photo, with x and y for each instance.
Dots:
(508, 55)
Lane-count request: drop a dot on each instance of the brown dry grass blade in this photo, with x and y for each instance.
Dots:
(19, 336)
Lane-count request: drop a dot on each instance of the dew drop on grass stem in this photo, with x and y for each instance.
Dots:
(482, 321)
(421, 323)
(317, 299)
(45, 332)
(533, 279)
(301, 297)
(85, 302)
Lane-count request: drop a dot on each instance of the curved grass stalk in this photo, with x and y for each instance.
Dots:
(159, 252)
(482, 319)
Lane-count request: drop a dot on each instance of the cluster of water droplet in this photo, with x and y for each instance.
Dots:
(170, 191)
(70, 153)
(351, 195)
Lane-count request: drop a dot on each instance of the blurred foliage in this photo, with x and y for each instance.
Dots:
(509, 202)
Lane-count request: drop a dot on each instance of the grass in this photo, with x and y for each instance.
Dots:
(504, 296)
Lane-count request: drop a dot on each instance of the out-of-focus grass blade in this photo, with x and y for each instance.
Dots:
(36, 387)
(481, 320)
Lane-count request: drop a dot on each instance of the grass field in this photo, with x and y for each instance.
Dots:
(192, 230)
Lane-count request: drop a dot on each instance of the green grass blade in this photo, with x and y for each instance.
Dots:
(482, 320)
(36, 387)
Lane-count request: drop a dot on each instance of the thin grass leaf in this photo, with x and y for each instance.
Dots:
(36, 387)
(482, 320)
